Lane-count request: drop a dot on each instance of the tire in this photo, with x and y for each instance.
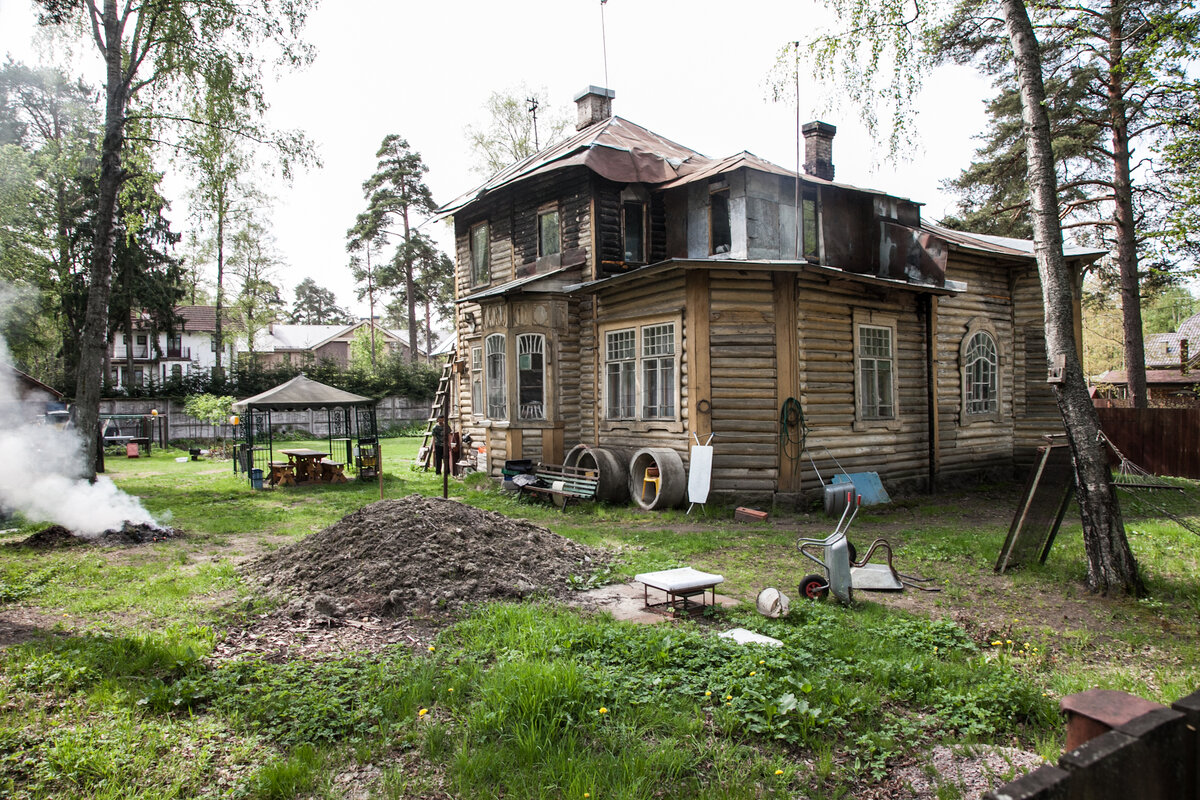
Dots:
(814, 587)
(852, 551)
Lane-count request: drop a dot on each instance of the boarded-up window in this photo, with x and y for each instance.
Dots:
(477, 381)
(980, 375)
(480, 256)
(531, 376)
(875, 364)
(497, 377)
(549, 233)
(621, 373)
(812, 240)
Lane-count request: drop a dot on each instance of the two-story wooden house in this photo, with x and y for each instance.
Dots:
(619, 291)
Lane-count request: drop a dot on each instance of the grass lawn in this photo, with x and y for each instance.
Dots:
(117, 681)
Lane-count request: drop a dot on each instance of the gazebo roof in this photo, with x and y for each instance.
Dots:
(302, 393)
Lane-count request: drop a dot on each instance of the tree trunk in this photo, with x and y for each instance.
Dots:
(410, 291)
(371, 302)
(94, 335)
(1123, 214)
(220, 283)
(1111, 566)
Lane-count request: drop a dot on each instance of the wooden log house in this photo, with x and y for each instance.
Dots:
(621, 291)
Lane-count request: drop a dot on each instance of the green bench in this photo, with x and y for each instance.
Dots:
(563, 484)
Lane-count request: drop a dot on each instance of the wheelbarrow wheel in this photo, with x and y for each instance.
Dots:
(814, 587)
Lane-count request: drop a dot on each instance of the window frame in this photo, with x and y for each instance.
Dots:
(480, 267)
(543, 213)
(976, 328)
(478, 397)
(641, 417)
(722, 191)
(642, 228)
(537, 413)
(495, 362)
(862, 419)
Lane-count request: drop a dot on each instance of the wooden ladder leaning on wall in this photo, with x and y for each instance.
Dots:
(436, 408)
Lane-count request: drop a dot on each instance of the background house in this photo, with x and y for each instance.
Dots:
(1172, 369)
(160, 355)
(620, 291)
(279, 344)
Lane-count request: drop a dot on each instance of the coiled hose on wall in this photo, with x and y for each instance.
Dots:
(793, 432)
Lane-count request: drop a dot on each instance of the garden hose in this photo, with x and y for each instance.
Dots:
(792, 430)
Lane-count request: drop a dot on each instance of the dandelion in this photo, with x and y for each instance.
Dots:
(762, 662)
(935, 648)
(778, 772)
(451, 689)
(587, 794)
(708, 694)
(422, 712)
(603, 710)
(996, 643)
(1008, 641)
(431, 648)
(728, 697)
(754, 673)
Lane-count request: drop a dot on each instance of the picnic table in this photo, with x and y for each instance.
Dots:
(306, 462)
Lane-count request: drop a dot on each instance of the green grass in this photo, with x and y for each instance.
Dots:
(117, 695)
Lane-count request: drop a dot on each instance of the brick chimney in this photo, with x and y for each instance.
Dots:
(594, 104)
(818, 149)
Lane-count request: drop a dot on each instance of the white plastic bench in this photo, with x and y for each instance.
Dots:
(680, 585)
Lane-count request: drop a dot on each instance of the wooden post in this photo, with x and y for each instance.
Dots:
(931, 369)
(787, 366)
(379, 465)
(698, 321)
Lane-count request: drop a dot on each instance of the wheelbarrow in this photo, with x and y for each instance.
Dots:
(844, 571)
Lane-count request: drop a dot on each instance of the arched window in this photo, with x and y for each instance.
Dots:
(531, 376)
(497, 383)
(980, 375)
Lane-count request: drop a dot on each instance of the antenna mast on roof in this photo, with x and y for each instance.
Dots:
(531, 104)
(799, 221)
(604, 44)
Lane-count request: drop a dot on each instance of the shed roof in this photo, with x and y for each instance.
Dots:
(1003, 245)
(302, 393)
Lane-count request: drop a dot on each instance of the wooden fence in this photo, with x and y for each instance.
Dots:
(1164, 441)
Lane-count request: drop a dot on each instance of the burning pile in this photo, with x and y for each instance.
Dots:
(129, 534)
(423, 555)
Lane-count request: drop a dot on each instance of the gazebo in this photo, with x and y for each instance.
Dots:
(350, 420)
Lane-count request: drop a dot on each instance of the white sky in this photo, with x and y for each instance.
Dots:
(694, 72)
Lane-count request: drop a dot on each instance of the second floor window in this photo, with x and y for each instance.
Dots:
(549, 233)
(480, 256)
(633, 232)
(719, 231)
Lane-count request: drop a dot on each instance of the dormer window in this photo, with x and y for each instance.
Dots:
(549, 233)
(480, 257)
(633, 232)
(719, 231)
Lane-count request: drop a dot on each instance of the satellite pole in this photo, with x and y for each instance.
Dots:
(531, 104)
(604, 43)
(799, 220)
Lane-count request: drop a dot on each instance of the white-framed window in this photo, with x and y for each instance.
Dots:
(549, 232)
(979, 361)
(480, 243)
(875, 368)
(641, 369)
(531, 376)
(620, 371)
(497, 376)
(477, 381)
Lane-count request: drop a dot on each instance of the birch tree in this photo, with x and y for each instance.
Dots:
(879, 55)
(154, 53)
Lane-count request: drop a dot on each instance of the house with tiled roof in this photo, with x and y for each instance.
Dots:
(157, 355)
(621, 297)
(1172, 368)
(279, 344)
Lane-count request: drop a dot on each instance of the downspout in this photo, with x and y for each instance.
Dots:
(931, 393)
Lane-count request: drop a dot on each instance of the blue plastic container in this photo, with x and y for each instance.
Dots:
(256, 478)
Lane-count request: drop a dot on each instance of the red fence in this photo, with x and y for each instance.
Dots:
(1164, 441)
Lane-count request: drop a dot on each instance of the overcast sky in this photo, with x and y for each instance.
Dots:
(694, 72)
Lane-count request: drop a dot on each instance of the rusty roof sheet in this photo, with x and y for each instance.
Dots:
(614, 148)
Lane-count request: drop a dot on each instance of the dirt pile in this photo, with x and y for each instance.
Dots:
(423, 555)
(129, 534)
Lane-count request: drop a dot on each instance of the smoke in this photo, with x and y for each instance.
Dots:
(42, 467)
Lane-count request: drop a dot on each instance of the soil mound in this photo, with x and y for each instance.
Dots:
(129, 534)
(423, 555)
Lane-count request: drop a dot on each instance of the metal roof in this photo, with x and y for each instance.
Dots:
(1003, 245)
(302, 393)
(524, 283)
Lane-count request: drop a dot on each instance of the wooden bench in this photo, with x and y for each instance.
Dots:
(333, 471)
(556, 482)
